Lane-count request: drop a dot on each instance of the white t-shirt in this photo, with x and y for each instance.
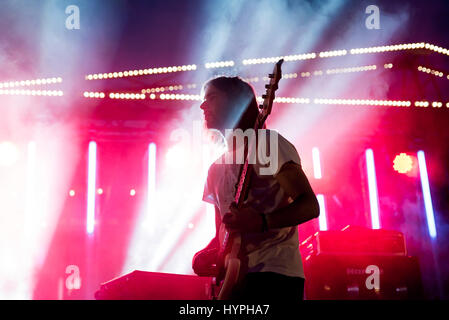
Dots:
(276, 250)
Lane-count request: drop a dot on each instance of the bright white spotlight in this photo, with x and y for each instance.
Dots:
(177, 157)
(8, 153)
(322, 217)
(372, 186)
(426, 194)
(151, 192)
(316, 163)
(91, 177)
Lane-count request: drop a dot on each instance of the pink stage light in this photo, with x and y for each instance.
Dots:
(372, 186)
(8, 153)
(426, 193)
(91, 179)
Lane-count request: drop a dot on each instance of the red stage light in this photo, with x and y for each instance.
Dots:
(403, 163)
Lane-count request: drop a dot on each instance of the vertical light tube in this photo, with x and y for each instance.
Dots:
(317, 174)
(316, 163)
(151, 191)
(372, 186)
(426, 194)
(31, 179)
(91, 177)
(322, 217)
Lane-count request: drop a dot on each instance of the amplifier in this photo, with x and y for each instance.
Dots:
(143, 285)
(355, 241)
(362, 277)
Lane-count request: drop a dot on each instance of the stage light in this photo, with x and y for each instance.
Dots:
(132, 192)
(100, 191)
(151, 189)
(295, 57)
(140, 72)
(322, 220)
(403, 163)
(72, 193)
(219, 64)
(372, 187)
(426, 194)
(22, 92)
(21, 83)
(316, 163)
(334, 53)
(97, 95)
(9, 153)
(91, 181)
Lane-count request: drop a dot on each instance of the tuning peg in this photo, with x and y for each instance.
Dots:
(267, 86)
(271, 76)
(261, 106)
(264, 96)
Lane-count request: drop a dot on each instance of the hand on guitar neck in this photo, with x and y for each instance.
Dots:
(244, 219)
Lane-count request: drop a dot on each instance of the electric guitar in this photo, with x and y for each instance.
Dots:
(228, 264)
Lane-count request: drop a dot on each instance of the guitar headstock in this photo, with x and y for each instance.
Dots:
(271, 87)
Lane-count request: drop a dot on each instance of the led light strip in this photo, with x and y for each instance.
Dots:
(219, 64)
(295, 57)
(363, 102)
(426, 193)
(27, 92)
(126, 95)
(430, 71)
(88, 94)
(140, 72)
(172, 96)
(169, 88)
(22, 83)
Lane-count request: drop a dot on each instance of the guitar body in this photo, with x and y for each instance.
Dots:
(232, 266)
(229, 264)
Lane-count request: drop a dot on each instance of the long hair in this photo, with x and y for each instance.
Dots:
(244, 108)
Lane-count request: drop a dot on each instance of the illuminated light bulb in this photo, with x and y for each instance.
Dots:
(402, 163)
(100, 191)
(132, 192)
(152, 96)
(86, 94)
(72, 193)
(101, 95)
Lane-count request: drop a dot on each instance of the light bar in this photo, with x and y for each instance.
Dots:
(351, 69)
(295, 57)
(394, 103)
(431, 71)
(169, 88)
(127, 95)
(316, 163)
(426, 193)
(151, 192)
(322, 220)
(91, 180)
(140, 72)
(219, 64)
(88, 94)
(22, 83)
(372, 186)
(173, 96)
(23, 92)
(334, 53)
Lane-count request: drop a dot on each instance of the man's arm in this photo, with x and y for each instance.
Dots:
(203, 261)
(304, 205)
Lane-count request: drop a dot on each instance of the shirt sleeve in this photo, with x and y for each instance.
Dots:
(209, 195)
(280, 152)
